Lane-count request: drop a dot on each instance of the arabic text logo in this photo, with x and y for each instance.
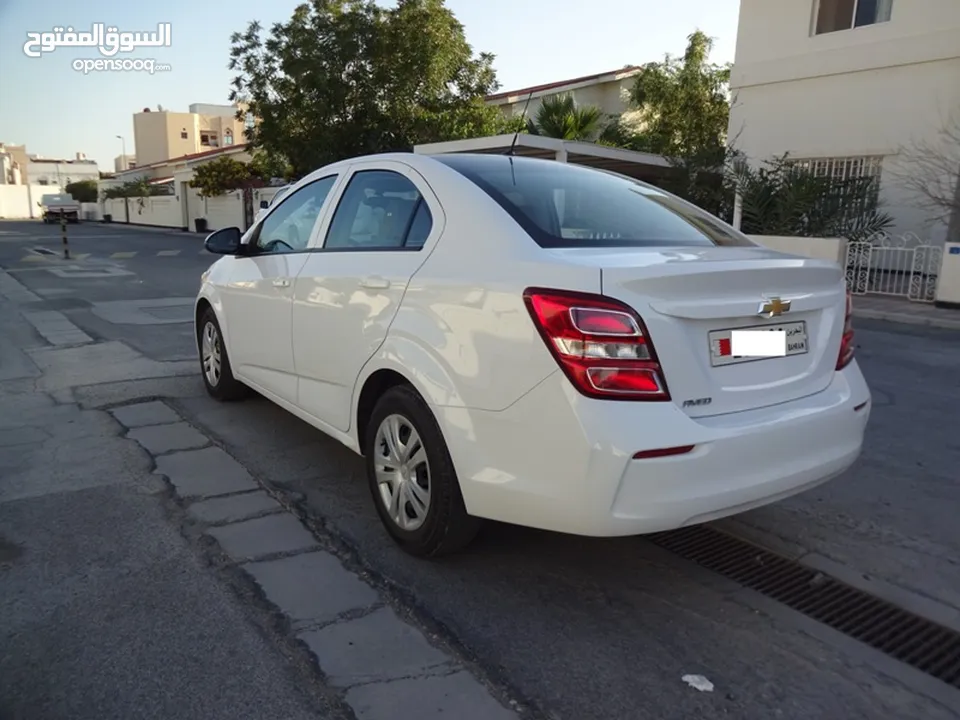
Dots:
(100, 36)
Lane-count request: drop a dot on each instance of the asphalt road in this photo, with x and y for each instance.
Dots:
(595, 628)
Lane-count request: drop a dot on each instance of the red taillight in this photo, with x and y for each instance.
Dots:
(600, 343)
(846, 343)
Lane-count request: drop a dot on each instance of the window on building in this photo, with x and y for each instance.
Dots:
(227, 138)
(844, 169)
(834, 15)
(183, 134)
(248, 120)
(209, 139)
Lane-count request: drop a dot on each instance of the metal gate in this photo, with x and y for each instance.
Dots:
(899, 265)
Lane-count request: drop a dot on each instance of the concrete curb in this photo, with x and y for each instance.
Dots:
(369, 654)
(908, 319)
(121, 226)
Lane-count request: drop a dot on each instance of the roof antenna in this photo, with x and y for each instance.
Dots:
(523, 116)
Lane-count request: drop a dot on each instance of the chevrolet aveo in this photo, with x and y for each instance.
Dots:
(536, 343)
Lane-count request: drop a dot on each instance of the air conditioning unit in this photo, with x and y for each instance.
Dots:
(948, 281)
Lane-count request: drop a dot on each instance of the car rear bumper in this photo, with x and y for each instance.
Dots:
(558, 461)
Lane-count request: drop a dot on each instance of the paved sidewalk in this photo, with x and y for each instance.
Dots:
(901, 310)
(144, 573)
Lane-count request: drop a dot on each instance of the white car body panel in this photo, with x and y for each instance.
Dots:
(343, 306)
(527, 446)
(259, 294)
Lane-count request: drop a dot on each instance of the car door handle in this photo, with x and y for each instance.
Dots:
(281, 283)
(375, 282)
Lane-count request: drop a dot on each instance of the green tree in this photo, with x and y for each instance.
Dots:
(268, 166)
(83, 191)
(347, 77)
(680, 108)
(222, 175)
(559, 116)
(684, 104)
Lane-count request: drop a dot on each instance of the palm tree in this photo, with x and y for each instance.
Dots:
(561, 117)
(781, 198)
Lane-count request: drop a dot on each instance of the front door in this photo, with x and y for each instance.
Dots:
(257, 299)
(350, 288)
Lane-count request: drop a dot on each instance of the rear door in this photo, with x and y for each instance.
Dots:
(692, 299)
(348, 292)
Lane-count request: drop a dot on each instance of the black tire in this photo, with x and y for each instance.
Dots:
(223, 385)
(446, 527)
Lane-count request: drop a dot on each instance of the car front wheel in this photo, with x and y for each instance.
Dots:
(214, 362)
(412, 479)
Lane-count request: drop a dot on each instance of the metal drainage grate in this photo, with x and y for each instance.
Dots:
(925, 645)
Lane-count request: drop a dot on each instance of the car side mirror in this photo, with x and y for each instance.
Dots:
(264, 204)
(224, 242)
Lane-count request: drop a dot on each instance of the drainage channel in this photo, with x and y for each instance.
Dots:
(911, 639)
(44, 251)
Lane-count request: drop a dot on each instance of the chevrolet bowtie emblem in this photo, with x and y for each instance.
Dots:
(773, 307)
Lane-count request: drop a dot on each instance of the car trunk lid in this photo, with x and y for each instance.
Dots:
(692, 298)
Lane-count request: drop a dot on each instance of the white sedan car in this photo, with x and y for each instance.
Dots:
(537, 343)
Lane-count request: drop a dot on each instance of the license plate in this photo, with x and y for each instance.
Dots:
(721, 343)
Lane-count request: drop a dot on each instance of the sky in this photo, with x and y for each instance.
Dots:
(57, 111)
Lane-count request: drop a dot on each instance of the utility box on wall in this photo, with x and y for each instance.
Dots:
(948, 281)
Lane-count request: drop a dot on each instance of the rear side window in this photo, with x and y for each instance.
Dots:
(420, 226)
(378, 211)
(567, 205)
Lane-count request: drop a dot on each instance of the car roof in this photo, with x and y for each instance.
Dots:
(427, 162)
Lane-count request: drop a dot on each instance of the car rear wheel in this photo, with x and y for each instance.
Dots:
(412, 479)
(214, 362)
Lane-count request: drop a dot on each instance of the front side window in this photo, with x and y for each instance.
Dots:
(379, 210)
(289, 226)
(834, 15)
(567, 205)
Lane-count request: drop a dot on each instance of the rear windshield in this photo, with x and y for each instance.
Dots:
(568, 205)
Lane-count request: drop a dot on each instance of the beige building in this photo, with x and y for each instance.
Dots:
(605, 90)
(849, 87)
(56, 171)
(124, 162)
(161, 134)
(13, 164)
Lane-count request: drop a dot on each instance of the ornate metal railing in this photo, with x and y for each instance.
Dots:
(899, 265)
